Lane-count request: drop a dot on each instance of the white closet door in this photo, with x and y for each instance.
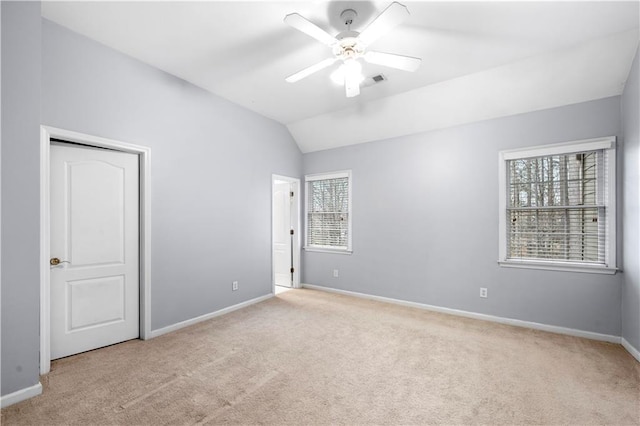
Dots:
(95, 238)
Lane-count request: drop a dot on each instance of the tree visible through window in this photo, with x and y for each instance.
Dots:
(555, 208)
(328, 210)
(559, 204)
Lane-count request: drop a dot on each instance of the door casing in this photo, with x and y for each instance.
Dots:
(144, 153)
(295, 225)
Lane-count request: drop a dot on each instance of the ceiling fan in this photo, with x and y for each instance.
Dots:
(349, 46)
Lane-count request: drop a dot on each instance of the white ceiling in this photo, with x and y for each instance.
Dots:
(480, 60)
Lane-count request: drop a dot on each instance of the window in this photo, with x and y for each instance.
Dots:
(557, 207)
(328, 209)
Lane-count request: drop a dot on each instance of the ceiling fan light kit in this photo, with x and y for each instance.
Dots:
(349, 46)
(350, 69)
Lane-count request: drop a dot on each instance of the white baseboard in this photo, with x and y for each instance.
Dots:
(474, 315)
(633, 351)
(21, 395)
(187, 323)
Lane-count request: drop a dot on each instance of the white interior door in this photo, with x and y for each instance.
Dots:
(282, 259)
(94, 235)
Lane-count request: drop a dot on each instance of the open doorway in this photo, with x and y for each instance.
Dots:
(285, 237)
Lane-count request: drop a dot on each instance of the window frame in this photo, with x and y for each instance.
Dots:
(326, 176)
(608, 144)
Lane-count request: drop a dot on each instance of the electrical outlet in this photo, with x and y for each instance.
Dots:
(483, 292)
(335, 273)
(234, 286)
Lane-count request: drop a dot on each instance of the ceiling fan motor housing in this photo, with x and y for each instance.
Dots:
(348, 46)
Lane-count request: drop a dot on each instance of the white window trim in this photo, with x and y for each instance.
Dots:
(325, 176)
(606, 143)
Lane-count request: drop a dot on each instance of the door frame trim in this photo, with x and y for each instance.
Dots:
(144, 153)
(296, 231)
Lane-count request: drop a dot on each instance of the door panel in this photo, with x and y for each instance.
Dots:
(96, 195)
(94, 233)
(281, 233)
(95, 301)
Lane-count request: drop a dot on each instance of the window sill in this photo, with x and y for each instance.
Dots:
(328, 250)
(558, 266)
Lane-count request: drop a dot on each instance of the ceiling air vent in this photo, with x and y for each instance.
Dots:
(370, 81)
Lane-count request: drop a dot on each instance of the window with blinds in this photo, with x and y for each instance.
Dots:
(558, 204)
(328, 209)
(556, 210)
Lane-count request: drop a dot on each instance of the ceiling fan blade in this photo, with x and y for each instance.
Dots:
(301, 23)
(352, 86)
(391, 17)
(310, 70)
(401, 62)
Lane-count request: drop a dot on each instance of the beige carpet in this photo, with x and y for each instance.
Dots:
(309, 357)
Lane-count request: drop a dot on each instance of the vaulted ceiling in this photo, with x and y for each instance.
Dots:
(480, 60)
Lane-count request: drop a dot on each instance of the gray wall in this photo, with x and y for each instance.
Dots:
(20, 194)
(210, 175)
(211, 169)
(425, 222)
(631, 213)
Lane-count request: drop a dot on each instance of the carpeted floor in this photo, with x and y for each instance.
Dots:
(309, 357)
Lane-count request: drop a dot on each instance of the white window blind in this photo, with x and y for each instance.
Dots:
(328, 211)
(556, 208)
(559, 205)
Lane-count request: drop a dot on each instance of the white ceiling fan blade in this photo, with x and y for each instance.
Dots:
(310, 70)
(352, 85)
(401, 62)
(391, 17)
(301, 23)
